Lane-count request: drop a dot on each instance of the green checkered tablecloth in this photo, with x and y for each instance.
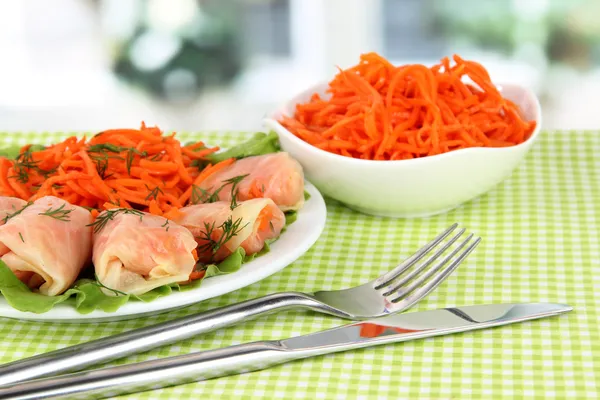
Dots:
(541, 242)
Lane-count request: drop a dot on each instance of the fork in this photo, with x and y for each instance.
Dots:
(393, 292)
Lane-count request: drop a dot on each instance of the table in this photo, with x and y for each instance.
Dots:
(541, 242)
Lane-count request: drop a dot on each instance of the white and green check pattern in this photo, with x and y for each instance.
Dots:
(541, 242)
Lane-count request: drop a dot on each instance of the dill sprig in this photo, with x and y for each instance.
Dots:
(234, 191)
(129, 159)
(59, 213)
(229, 229)
(108, 215)
(100, 155)
(105, 147)
(19, 211)
(25, 163)
(165, 225)
(156, 157)
(21, 236)
(200, 164)
(22, 165)
(38, 186)
(101, 165)
(153, 193)
(200, 195)
(101, 285)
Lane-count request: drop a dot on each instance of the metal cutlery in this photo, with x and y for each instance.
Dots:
(255, 356)
(390, 293)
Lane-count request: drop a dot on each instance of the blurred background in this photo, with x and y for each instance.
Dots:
(87, 65)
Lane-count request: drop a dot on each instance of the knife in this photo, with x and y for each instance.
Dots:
(170, 371)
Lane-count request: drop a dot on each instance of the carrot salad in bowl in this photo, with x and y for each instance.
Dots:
(379, 111)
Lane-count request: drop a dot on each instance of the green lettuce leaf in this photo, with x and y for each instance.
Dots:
(13, 151)
(10, 151)
(261, 143)
(18, 295)
(89, 297)
(86, 295)
(290, 217)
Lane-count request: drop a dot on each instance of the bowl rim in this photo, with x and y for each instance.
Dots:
(271, 122)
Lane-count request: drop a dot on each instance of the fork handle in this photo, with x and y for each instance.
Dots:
(110, 348)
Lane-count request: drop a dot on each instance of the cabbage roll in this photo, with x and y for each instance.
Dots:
(219, 231)
(275, 176)
(9, 206)
(135, 252)
(47, 244)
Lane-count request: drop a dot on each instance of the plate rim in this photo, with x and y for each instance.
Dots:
(214, 286)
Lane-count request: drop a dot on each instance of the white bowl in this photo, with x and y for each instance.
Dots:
(408, 188)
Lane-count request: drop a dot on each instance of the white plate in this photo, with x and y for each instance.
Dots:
(292, 244)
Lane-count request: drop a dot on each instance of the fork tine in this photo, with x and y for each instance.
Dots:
(403, 291)
(430, 286)
(397, 284)
(410, 261)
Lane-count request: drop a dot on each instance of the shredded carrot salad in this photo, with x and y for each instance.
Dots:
(378, 111)
(125, 168)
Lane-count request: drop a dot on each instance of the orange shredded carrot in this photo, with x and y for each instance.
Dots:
(159, 166)
(264, 219)
(109, 206)
(256, 190)
(130, 168)
(377, 111)
(211, 169)
(173, 214)
(154, 209)
(195, 275)
(5, 188)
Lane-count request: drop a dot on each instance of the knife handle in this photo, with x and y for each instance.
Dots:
(153, 374)
(110, 348)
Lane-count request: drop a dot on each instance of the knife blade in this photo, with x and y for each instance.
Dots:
(170, 371)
